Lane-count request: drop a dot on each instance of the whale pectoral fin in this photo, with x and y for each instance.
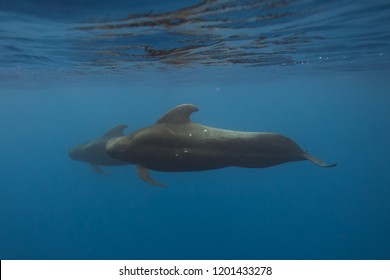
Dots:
(143, 173)
(98, 170)
(317, 161)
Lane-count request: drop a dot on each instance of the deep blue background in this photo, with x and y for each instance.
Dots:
(328, 90)
(53, 207)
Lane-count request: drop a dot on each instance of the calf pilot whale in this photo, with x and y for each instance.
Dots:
(94, 151)
(175, 143)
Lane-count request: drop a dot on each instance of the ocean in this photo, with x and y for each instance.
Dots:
(315, 71)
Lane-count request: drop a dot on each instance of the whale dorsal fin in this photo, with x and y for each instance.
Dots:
(116, 131)
(178, 115)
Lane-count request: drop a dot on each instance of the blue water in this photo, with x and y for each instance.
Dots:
(316, 71)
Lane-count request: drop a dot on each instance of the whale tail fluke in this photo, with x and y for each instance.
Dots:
(317, 161)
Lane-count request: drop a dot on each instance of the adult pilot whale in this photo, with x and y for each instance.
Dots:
(94, 151)
(175, 143)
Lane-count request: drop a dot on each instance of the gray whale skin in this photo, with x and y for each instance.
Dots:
(175, 143)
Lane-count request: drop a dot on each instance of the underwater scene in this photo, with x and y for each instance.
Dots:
(185, 130)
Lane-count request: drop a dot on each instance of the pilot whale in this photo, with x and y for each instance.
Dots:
(175, 143)
(94, 151)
